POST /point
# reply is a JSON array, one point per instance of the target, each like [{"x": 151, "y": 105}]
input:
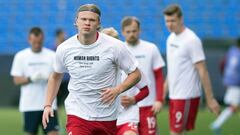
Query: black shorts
[{"x": 33, "y": 119}]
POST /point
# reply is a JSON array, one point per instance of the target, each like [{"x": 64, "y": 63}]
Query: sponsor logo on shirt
[
  {"x": 173, "y": 45},
  {"x": 36, "y": 63},
  {"x": 139, "y": 56}
]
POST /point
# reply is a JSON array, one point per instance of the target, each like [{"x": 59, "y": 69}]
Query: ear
[
  {"x": 99, "y": 25},
  {"x": 75, "y": 22}
]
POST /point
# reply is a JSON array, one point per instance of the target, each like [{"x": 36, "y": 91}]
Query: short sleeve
[
  {"x": 195, "y": 50},
  {"x": 58, "y": 63},
  {"x": 17, "y": 66},
  {"x": 124, "y": 59},
  {"x": 157, "y": 60}
]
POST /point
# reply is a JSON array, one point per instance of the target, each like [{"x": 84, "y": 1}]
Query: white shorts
[{"x": 232, "y": 96}]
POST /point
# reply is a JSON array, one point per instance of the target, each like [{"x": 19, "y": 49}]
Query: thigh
[
  {"x": 122, "y": 129},
  {"x": 104, "y": 127},
  {"x": 77, "y": 126},
  {"x": 232, "y": 96},
  {"x": 192, "y": 115},
  {"x": 148, "y": 122},
  {"x": 182, "y": 114},
  {"x": 176, "y": 115},
  {"x": 32, "y": 120}
]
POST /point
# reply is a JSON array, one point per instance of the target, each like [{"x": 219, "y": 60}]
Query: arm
[
  {"x": 127, "y": 101},
  {"x": 165, "y": 88},
  {"x": 19, "y": 80},
  {"x": 205, "y": 80},
  {"x": 158, "y": 104},
  {"x": 109, "y": 94},
  {"x": 158, "y": 74},
  {"x": 52, "y": 90}
]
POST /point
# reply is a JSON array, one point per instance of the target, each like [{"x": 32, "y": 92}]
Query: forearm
[
  {"x": 21, "y": 80},
  {"x": 165, "y": 88},
  {"x": 206, "y": 83},
  {"x": 159, "y": 84},
  {"x": 131, "y": 80},
  {"x": 142, "y": 94},
  {"x": 54, "y": 82},
  {"x": 205, "y": 80}
]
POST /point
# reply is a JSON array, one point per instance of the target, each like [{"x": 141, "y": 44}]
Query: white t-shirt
[
  {"x": 91, "y": 69},
  {"x": 131, "y": 114},
  {"x": 183, "y": 51},
  {"x": 149, "y": 59},
  {"x": 26, "y": 63}
]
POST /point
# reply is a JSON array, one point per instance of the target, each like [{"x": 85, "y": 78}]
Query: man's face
[
  {"x": 61, "y": 36},
  {"x": 131, "y": 33},
  {"x": 173, "y": 22},
  {"x": 36, "y": 42},
  {"x": 87, "y": 22}
]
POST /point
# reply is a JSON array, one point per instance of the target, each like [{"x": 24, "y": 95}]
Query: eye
[
  {"x": 92, "y": 20},
  {"x": 83, "y": 19}
]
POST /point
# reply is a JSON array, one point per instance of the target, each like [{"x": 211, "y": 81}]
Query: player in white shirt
[
  {"x": 151, "y": 64},
  {"x": 92, "y": 60},
  {"x": 30, "y": 69},
  {"x": 128, "y": 118},
  {"x": 185, "y": 72}
]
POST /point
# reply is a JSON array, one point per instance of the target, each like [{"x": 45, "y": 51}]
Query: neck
[
  {"x": 181, "y": 29},
  {"x": 59, "y": 41},
  {"x": 87, "y": 39},
  {"x": 133, "y": 43},
  {"x": 36, "y": 50}
]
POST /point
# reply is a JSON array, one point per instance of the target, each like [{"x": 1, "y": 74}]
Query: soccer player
[
  {"x": 92, "y": 59},
  {"x": 231, "y": 79},
  {"x": 185, "y": 72},
  {"x": 30, "y": 69},
  {"x": 128, "y": 119},
  {"x": 151, "y": 64}
]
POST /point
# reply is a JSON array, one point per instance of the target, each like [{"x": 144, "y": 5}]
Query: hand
[
  {"x": 157, "y": 107},
  {"x": 213, "y": 105},
  {"x": 127, "y": 101},
  {"x": 38, "y": 76},
  {"x": 48, "y": 111},
  {"x": 109, "y": 95}
]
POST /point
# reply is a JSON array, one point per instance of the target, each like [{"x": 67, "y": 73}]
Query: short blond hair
[{"x": 111, "y": 32}]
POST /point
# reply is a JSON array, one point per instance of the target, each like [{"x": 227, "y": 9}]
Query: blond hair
[{"x": 111, "y": 32}]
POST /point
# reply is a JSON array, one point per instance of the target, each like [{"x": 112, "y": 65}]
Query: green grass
[{"x": 11, "y": 123}]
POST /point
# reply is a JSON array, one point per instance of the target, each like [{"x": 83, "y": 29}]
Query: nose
[{"x": 87, "y": 22}]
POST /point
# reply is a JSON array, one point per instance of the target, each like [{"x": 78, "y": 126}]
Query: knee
[
  {"x": 177, "y": 133},
  {"x": 129, "y": 133}
]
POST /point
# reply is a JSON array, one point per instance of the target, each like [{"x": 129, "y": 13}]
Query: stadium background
[{"x": 217, "y": 22}]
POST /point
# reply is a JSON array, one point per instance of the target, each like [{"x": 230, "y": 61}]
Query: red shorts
[
  {"x": 79, "y": 126},
  {"x": 121, "y": 129},
  {"x": 148, "y": 122},
  {"x": 183, "y": 114}
]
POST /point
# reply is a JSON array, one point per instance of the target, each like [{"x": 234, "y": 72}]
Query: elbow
[{"x": 15, "y": 81}]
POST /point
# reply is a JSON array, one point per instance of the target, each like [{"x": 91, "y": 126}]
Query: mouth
[{"x": 86, "y": 29}]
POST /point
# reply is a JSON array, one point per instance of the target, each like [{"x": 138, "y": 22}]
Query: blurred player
[
  {"x": 151, "y": 64},
  {"x": 63, "y": 92},
  {"x": 31, "y": 69},
  {"x": 128, "y": 119},
  {"x": 92, "y": 59},
  {"x": 60, "y": 36},
  {"x": 231, "y": 79},
  {"x": 186, "y": 71}
]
